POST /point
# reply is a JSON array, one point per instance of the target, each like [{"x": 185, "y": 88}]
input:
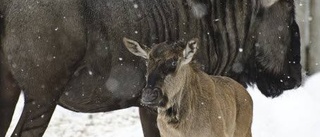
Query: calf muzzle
[{"x": 151, "y": 97}]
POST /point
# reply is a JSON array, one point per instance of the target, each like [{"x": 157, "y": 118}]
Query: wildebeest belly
[{"x": 109, "y": 77}]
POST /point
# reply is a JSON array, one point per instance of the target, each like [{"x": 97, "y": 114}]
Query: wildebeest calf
[{"x": 191, "y": 103}]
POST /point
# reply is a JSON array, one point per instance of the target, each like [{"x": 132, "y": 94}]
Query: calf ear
[
  {"x": 189, "y": 51},
  {"x": 135, "y": 48}
]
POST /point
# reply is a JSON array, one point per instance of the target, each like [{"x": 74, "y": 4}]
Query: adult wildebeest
[
  {"x": 191, "y": 103},
  {"x": 70, "y": 52}
]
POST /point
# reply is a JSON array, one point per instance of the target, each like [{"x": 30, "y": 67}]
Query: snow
[
  {"x": 135, "y": 6},
  {"x": 296, "y": 113},
  {"x": 199, "y": 10}
]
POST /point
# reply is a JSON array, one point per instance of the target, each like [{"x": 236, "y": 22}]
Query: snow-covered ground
[{"x": 294, "y": 114}]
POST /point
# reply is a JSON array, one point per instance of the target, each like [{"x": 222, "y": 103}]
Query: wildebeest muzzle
[{"x": 152, "y": 97}]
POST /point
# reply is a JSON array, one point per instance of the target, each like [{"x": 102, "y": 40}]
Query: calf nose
[
  {"x": 148, "y": 95},
  {"x": 151, "y": 96},
  {"x": 157, "y": 90}
]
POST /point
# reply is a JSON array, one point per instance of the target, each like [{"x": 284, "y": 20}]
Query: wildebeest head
[{"x": 163, "y": 60}]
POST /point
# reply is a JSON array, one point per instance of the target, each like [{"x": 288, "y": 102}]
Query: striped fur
[{"x": 50, "y": 46}]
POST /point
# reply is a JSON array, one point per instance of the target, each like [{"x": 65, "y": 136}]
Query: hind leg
[
  {"x": 34, "y": 119},
  {"x": 43, "y": 49},
  {"x": 9, "y": 95}
]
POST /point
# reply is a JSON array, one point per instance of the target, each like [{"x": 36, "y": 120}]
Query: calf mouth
[{"x": 152, "y": 97}]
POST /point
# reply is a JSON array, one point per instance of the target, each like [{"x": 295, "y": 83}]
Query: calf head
[{"x": 163, "y": 60}]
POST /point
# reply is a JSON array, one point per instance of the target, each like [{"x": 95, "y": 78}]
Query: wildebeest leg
[
  {"x": 149, "y": 122},
  {"x": 9, "y": 95},
  {"x": 43, "y": 45},
  {"x": 34, "y": 119}
]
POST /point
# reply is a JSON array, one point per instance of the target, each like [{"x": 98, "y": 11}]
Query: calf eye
[{"x": 170, "y": 66}]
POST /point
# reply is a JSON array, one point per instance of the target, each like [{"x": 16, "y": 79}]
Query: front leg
[{"x": 149, "y": 122}]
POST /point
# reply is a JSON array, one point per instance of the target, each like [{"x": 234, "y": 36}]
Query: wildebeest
[
  {"x": 70, "y": 52},
  {"x": 189, "y": 102}
]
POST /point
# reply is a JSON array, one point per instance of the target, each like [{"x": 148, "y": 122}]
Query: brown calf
[{"x": 191, "y": 103}]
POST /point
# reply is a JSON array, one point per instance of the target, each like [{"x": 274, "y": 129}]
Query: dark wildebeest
[
  {"x": 70, "y": 52},
  {"x": 191, "y": 103}
]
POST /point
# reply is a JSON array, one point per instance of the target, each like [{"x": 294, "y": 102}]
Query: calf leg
[
  {"x": 149, "y": 123},
  {"x": 244, "y": 113}
]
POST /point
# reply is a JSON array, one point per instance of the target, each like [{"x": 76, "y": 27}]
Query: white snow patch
[{"x": 295, "y": 113}]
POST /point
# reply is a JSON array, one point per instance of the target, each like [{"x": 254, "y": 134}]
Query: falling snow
[
  {"x": 112, "y": 84},
  {"x": 295, "y": 113},
  {"x": 237, "y": 67},
  {"x": 135, "y": 6},
  {"x": 199, "y": 10},
  {"x": 90, "y": 72},
  {"x": 280, "y": 28}
]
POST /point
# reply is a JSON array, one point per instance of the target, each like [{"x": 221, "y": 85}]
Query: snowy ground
[{"x": 294, "y": 114}]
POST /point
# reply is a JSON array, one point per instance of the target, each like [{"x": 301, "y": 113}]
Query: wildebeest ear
[
  {"x": 189, "y": 51},
  {"x": 135, "y": 48}
]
